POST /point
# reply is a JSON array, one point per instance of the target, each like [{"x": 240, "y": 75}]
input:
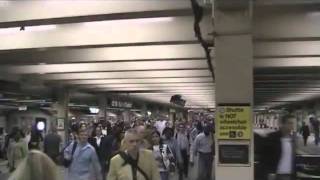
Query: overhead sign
[
  {"x": 121, "y": 104},
  {"x": 233, "y": 122},
  {"x": 22, "y": 108}
]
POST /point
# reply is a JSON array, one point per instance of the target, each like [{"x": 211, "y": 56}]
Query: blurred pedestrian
[
  {"x": 305, "y": 131},
  {"x": 17, "y": 150},
  {"x": 279, "y": 151},
  {"x": 133, "y": 163},
  {"x": 96, "y": 140},
  {"x": 173, "y": 145},
  {"x": 35, "y": 138},
  {"x": 37, "y": 166},
  {"x": 163, "y": 155},
  {"x": 182, "y": 138},
  {"x": 204, "y": 147},
  {"x": 51, "y": 145},
  {"x": 84, "y": 160},
  {"x": 316, "y": 129}
]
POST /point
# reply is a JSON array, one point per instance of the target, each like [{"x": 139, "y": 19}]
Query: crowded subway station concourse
[{"x": 159, "y": 90}]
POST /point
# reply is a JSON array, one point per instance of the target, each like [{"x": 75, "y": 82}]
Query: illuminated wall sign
[
  {"x": 23, "y": 108},
  {"x": 121, "y": 104},
  {"x": 234, "y": 122}
]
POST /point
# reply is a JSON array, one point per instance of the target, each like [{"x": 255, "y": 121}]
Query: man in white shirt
[
  {"x": 279, "y": 156},
  {"x": 204, "y": 147},
  {"x": 183, "y": 145}
]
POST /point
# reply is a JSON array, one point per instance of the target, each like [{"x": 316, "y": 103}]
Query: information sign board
[{"x": 233, "y": 123}]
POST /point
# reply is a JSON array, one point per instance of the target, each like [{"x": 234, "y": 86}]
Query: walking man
[
  {"x": 279, "y": 154},
  {"x": 204, "y": 146},
  {"x": 134, "y": 163},
  {"x": 51, "y": 144}
]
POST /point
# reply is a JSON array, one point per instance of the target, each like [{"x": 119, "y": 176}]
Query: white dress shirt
[{"x": 285, "y": 163}]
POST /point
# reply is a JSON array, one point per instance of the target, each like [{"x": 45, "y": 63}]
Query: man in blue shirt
[{"x": 85, "y": 163}]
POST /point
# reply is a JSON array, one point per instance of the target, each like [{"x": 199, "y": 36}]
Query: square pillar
[
  {"x": 234, "y": 88},
  {"x": 62, "y": 109},
  {"x": 102, "y": 101}
]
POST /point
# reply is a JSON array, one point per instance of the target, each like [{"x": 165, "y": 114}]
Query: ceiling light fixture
[{"x": 129, "y": 21}]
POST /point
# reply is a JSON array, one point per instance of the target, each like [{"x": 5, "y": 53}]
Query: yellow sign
[{"x": 233, "y": 122}]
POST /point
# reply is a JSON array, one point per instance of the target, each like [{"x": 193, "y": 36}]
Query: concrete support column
[
  {"x": 126, "y": 115},
  {"x": 144, "y": 110},
  {"x": 62, "y": 109},
  {"x": 172, "y": 116},
  {"x": 102, "y": 115},
  {"x": 234, "y": 74},
  {"x": 190, "y": 116}
]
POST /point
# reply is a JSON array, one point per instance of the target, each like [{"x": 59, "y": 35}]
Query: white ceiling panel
[
  {"x": 287, "y": 62},
  {"x": 291, "y": 48},
  {"x": 149, "y": 85},
  {"x": 170, "y": 94},
  {"x": 110, "y": 66},
  {"x": 151, "y": 88},
  {"x": 124, "y": 75},
  {"x": 287, "y": 23}
]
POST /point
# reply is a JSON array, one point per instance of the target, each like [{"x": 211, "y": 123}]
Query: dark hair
[
  {"x": 168, "y": 130},
  {"x": 15, "y": 131},
  {"x": 284, "y": 119},
  {"x": 199, "y": 127},
  {"x": 156, "y": 132},
  {"x": 75, "y": 127}
]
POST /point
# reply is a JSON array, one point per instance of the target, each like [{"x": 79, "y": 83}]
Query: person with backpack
[
  {"x": 133, "y": 162},
  {"x": 81, "y": 159}
]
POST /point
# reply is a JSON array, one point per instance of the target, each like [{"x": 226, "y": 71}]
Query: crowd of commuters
[{"x": 144, "y": 151}]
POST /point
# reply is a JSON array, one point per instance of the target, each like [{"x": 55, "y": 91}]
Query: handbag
[{"x": 171, "y": 164}]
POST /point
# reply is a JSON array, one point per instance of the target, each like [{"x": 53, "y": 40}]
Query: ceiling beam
[
  {"x": 106, "y": 54},
  {"x": 104, "y": 67},
  {"x": 15, "y": 13}
]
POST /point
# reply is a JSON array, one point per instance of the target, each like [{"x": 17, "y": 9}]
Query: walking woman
[
  {"x": 305, "y": 131},
  {"x": 163, "y": 156}
]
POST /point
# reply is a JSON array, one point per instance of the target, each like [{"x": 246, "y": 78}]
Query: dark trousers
[
  {"x": 103, "y": 170},
  {"x": 205, "y": 164},
  {"x": 316, "y": 137},
  {"x": 305, "y": 140},
  {"x": 284, "y": 177},
  {"x": 184, "y": 170}
]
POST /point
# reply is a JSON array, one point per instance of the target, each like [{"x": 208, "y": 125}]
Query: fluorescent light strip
[
  {"x": 128, "y": 21},
  {"x": 40, "y": 28}
]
